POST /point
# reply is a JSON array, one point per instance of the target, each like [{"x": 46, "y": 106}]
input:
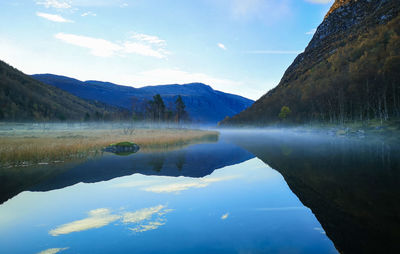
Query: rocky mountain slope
[
  {"x": 23, "y": 98},
  {"x": 203, "y": 103},
  {"x": 348, "y": 72}
]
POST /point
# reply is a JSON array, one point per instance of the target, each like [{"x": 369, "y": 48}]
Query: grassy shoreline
[{"x": 23, "y": 147}]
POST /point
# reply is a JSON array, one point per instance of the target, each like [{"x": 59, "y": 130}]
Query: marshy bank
[{"x": 27, "y": 144}]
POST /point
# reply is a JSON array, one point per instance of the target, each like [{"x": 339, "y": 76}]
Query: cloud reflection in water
[
  {"x": 145, "y": 219},
  {"x": 185, "y": 184},
  {"x": 52, "y": 251},
  {"x": 141, "y": 217},
  {"x": 97, "y": 218}
]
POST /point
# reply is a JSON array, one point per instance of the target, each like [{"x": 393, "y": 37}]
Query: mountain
[
  {"x": 350, "y": 70},
  {"x": 23, "y": 98},
  {"x": 202, "y": 102}
]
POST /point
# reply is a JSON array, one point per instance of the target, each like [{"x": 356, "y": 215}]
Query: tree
[
  {"x": 160, "y": 107},
  {"x": 285, "y": 112},
  {"x": 87, "y": 117},
  {"x": 391, "y": 70},
  {"x": 134, "y": 107},
  {"x": 180, "y": 109},
  {"x": 156, "y": 108}
]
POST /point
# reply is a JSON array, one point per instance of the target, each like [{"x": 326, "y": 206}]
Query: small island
[{"x": 122, "y": 148}]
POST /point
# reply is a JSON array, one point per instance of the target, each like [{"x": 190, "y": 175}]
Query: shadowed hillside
[{"x": 23, "y": 98}]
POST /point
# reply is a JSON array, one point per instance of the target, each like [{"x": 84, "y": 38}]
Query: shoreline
[
  {"x": 386, "y": 130},
  {"x": 27, "y": 147}
]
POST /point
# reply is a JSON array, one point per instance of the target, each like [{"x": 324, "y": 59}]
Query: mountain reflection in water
[
  {"x": 205, "y": 198},
  {"x": 352, "y": 186},
  {"x": 213, "y": 198},
  {"x": 193, "y": 161}
]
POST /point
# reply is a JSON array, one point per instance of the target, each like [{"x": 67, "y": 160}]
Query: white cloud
[
  {"x": 53, "y": 17},
  {"x": 149, "y": 39},
  {"x": 319, "y": 1},
  {"x": 67, "y": 4},
  {"x": 97, "y": 218},
  {"x": 311, "y": 32},
  {"x": 143, "y": 49},
  {"x": 225, "y": 216},
  {"x": 89, "y": 13},
  {"x": 98, "y": 47},
  {"x": 103, "y": 48},
  {"x": 222, "y": 46},
  {"x": 52, "y": 251},
  {"x": 274, "y": 52},
  {"x": 57, "y": 4}
]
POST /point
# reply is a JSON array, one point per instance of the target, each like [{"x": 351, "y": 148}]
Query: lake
[{"x": 249, "y": 192}]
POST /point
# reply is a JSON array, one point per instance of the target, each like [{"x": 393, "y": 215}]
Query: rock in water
[{"x": 122, "y": 148}]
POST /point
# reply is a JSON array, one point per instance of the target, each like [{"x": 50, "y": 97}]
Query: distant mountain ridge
[
  {"x": 203, "y": 103},
  {"x": 23, "y": 98}
]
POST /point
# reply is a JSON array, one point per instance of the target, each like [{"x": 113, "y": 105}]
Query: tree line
[
  {"x": 360, "y": 82},
  {"x": 156, "y": 110}
]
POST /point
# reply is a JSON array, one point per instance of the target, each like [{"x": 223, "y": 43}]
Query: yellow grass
[{"x": 34, "y": 146}]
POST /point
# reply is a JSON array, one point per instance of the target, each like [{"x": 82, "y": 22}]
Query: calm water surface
[{"x": 220, "y": 197}]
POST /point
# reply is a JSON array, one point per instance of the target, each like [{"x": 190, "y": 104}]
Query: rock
[{"x": 122, "y": 148}]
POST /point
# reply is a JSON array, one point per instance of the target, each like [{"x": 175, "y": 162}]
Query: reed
[{"x": 29, "y": 147}]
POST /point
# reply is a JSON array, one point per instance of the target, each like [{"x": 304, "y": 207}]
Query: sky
[{"x": 236, "y": 46}]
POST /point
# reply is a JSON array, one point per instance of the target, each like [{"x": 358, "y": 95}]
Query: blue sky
[{"x": 236, "y": 46}]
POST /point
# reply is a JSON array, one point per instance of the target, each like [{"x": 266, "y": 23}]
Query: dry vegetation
[{"x": 37, "y": 146}]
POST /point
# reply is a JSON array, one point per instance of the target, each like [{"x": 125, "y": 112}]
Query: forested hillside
[
  {"x": 23, "y": 98},
  {"x": 350, "y": 71}
]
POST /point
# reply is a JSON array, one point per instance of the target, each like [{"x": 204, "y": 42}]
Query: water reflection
[
  {"x": 52, "y": 250},
  {"x": 193, "y": 161},
  {"x": 352, "y": 186},
  {"x": 217, "y": 198},
  {"x": 246, "y": 208},
  {"x": 96, "y": 219},
  {"x": 143, "y": 219},
  {"x": 147, "y": 218},
  {"x": 182, "y": 184}
]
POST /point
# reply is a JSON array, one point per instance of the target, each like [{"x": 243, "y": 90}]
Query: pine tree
[{"x": 180, "y": 109}]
